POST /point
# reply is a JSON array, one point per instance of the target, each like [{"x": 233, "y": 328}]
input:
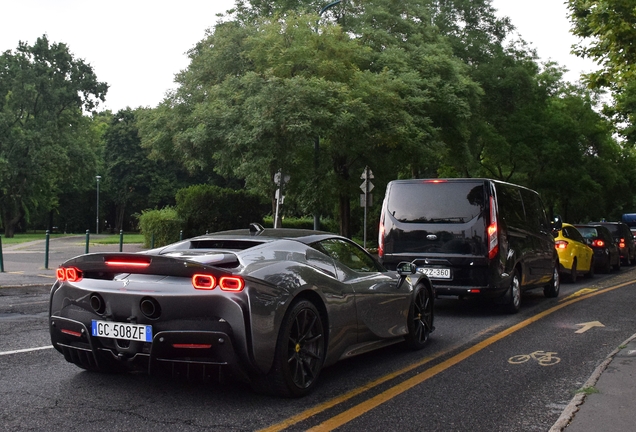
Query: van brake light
[{"x": 492, "y": 231}]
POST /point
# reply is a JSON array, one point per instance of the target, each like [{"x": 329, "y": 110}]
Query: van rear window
[{"x": 445, "y": 202}]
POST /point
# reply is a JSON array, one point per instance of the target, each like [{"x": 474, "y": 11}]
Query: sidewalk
[
  {"x": 609, "y": 406},
  {"x": 24, "y": 263},
  {"x": 611, "y": 403}
]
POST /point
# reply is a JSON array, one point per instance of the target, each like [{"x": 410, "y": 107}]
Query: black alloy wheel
[
  {"x": 420, "y": 320},
  {"x": 300, "y": 353}
]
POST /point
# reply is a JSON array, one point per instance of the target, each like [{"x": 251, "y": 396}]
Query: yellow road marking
[{"x": 389, "y": 394}]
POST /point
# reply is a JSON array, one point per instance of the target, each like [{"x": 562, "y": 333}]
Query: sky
[{"x": 137, "y": 46}]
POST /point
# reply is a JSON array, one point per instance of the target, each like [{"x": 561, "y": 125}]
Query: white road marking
[{"x": 25, "y": 350}]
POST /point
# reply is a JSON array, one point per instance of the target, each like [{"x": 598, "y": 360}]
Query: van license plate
[{"x": 435, "y": 272}]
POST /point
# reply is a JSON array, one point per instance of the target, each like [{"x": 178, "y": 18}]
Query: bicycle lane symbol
[{"x": 544, "y": 358}]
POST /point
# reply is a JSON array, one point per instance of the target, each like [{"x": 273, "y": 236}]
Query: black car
[
  {"x": 624, "y": 239},
  {"x": 606, "y": 252},
  {"x": 268, "y": 306},
  {"x": 472, "y": 237}
]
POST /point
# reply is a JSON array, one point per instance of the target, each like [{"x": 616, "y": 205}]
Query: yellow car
[{"x": 575, "y": 257}]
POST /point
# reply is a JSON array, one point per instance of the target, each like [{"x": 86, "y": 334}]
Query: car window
[
  {"x": 348, "y": 254},
  {"x": 510, "y": 205},
  {"x": 535, "y": 213},
  {"x": 574, "y": 234},
  {"x": 432, "y": 202},
  {"x": 588, "y": 232}
]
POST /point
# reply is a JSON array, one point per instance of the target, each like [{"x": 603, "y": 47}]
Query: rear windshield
[
  {"x": 588, "y": 232},
  {"x": 444, "y": 202},
  {"x": 614, "y": 229}
]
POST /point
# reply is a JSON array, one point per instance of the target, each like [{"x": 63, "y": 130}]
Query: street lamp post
[
  {"x": 317, "y": 140},
  {"x": 97, "y": 225}
]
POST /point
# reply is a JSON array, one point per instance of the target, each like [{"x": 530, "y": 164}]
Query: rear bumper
[{"x": 192, "y": 354}]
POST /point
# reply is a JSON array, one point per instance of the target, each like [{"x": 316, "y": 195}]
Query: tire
[
  {"x": 420, "y": 319},
  {"x": 617, "y": 267},
  {"x": 552, "y": 289},
  {"x": 512, "y": 298},
  {"x": 608, "y": 265},
  {"x": 590, "y": 274},
  {"x": 573, "y": 273},
  {"x": 300, "y": 353}
]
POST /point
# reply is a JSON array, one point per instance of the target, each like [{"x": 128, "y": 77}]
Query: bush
[
  {"x": 207, "y": 208},
  {"x": 164, "y": 224},
  {"x": 306, "y": 222}
]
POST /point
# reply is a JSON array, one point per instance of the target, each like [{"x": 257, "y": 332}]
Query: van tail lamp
[
  {"x": 231, "y": 283},
  {"x": 598, "y": 243},
  {"x": 561, "y": 244},
  {"x": 381, "y": 238},
  {"x": 492, "y": 231},
  {"x": 621, "y": 243},
  {"x": 68, "y": 274},
  {"x": 435, "y": 181},
  {"x": 204, "y": 281}
]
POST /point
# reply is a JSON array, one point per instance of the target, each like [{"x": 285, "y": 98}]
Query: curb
[{"x": 568, "y": 414}]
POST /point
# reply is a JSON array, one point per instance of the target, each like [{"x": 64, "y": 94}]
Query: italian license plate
[
  {"x": 115, "y": 330},
  {"x": 435, "y": 272}
]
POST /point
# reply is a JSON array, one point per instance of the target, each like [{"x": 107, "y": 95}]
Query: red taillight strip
[
  {"x": 231, "y": 283},
  {"x": 192, "y": 346},
  {"x": 71, "y": 332},
  {"x": 141, "y": 264},
  {"x": 561, "y": 244}
]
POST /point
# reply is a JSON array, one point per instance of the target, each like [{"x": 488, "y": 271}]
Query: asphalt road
[{"x": 478, "y": 374}]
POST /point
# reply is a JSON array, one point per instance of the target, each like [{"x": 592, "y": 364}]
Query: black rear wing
[{"x": 106, "y": 265}]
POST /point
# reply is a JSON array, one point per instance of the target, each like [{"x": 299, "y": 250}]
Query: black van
[{"x": 472, "y": 237}]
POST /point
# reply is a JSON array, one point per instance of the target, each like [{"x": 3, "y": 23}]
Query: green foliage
[
  {"x": 608, "y": 30},
  {"x": 306, "y": 222},
  {"x": 47, "y": 143},
  {"x": 164, "y": 225},
  {"x": 208, "y": 208}
]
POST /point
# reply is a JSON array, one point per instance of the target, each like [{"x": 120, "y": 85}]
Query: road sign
[
  {"x": 278, "y": 176},
  {"x": 366, "y": 176},
  {"x": 364, "y": 186},
  {"x": 369, "y": 200}
]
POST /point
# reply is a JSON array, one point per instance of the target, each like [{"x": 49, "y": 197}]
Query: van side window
[
  {"x": 510, "y": 206},
  {"x": 535, "y": 214}
]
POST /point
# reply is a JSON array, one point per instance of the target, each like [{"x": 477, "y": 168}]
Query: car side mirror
[
  {"x": 406, "y": 268},
  {"x": 556, "y": 223}
]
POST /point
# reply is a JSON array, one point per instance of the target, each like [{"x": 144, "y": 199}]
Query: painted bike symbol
[{"x": 542, "y": 357}]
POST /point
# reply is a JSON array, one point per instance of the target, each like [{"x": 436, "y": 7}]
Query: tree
[
  {"x": 260, "y": 89},
  {"x": 608, "y": 30},
  {"x": 43, "y": 90}
]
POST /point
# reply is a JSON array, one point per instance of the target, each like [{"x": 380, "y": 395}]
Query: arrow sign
[
  {"x": 364, "y": 174},
  {"x": 588, "y": 325}
]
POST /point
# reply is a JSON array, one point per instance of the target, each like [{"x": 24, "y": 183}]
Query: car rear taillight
[
  {"x": 561, "y": 244},
  {"x": 598, "y": 243},
  {"x": 381, "y": 238},
  {"x": 226, "y": 283},
  {"x": 231, "y": 283},
  {"x": 493, "y": 235},
  {"x": 70, "y": 274},
  {"x": 435, "y": 181},
  {"x": 204, "y": 281},
  {"x": 621, "y": 243}
]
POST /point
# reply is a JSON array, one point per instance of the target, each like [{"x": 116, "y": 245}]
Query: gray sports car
[{"x": 268, "y": 306}]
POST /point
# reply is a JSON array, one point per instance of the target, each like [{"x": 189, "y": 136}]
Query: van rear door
[{"x": 439, "y": 222}]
